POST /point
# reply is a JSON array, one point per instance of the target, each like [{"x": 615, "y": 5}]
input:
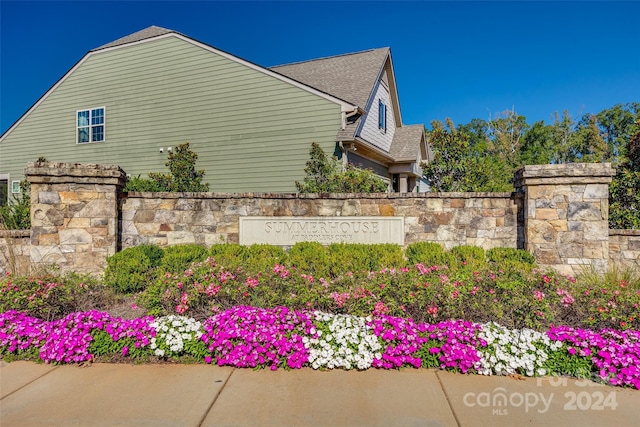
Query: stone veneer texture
[
  {"x": 80, "y": 217},
  {"x": 481, "y": 219}
]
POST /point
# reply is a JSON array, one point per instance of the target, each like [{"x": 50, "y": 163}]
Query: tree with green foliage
[
  {"x": 616, "y": 125},
  {"x": 624, "y": 191},
  {"x": 326, "y": 175},
  {"x": 459, "y": 165},
  {"x": 633, "y": 150},
  {"x": 589, "y": 145},
  {"x": 319, "y": 171},
  {"x": 506, "y": 132},
  {"x": 537, "y": 145},
  {"x": 182, "y": 176}
]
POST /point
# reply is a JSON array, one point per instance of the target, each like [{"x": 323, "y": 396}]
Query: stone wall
[
  {"x": 566, "y": 212},
  {"x": 559, "y": 213},
  {"x": 624, "y": 248},
  {"x": 15, "y": 251},
  {"x": 487, "y": 220},
  {"x": 74, "y": 214}
]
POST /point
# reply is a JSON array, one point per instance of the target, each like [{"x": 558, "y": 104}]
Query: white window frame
[
  {"x": 91, "y": 126},
  {"x": 15, "y": 187}
]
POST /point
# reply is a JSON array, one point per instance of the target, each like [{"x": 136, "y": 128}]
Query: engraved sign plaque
[{"x": 289, "y": 230}]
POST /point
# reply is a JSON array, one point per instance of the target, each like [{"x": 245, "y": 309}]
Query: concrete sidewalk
[{"x": 204, "y": 395}]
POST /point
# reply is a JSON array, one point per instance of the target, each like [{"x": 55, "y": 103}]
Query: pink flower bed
[{"x": 250, "y": 337}]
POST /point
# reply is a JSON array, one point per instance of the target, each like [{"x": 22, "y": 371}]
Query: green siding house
[{"x": 130, "y": 101}]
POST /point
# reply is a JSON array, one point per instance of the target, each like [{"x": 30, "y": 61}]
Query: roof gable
[
  {"x": 154, "y": 33},
  {"x": 408, "y": 141}
]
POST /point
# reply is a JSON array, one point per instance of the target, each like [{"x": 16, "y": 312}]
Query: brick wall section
[
  {"x": 624, "y": 248},
  {"x": 566, "y": 210},
  {"x": 481, "y": 219},
  {"x": 74, "y": 214}
]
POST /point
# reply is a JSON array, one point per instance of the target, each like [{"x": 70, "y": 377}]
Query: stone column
[
  {"x": 566, "y": 212},
  {"x": 74, "y": 214}
]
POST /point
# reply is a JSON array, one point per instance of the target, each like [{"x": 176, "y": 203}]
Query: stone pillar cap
[
  {"x": 71, "y": 172},
  {"x": 566, "y": 170},
  {"x": 565, "y": 173}
]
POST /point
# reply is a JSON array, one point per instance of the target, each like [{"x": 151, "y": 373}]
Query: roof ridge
[
  {"x": 329, "y": 57},
  {"x": 145, "y": 33}
]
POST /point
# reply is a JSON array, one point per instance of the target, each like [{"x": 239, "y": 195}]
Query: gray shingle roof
[
  {"x": 349, "y": 132},
  {"x": 147, "y": 33},
  {"x": 351, "y": 77},
  {"x": 406, "y": 143}
]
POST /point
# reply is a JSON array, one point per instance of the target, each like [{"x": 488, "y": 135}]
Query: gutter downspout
[
  {"x": 347, "y": 114},
  {"x": 345, "y": 160}
]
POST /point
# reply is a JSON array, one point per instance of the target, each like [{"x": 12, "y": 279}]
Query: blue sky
[{"x": 452, "y": 59}]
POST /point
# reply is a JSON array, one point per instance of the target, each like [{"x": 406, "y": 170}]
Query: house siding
[
  {"x": 252, "y": 132},
  {"x": 364, "y": 163},
  {"x": 370, "y": 131}
]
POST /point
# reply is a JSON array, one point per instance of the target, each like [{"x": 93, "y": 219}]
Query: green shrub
[
  {"x": 231, "y": 255},
  {"x": 348, "y": 257},
  {"x": 326, "y": 175},
  {"x": 51, "y": 295},
  {"x": 132, "y": 269},
  {"x": 177, "y": 258},
  {"x": 426, "y": 253},
  {"x": 136, "y": 183},
  {"x": 17, "y": 214},
  {"x": 310, "y": 258},
  {"x": 182, "y": 175},
  {"x": 264, "y": 257},
  {"x": 499, "y": 255},
  {"x": 508, "y": 292},
  {"x": 469, "y": 255},
  {"x": 253, "y": 259},
  {"x": 385, "y": 255}
]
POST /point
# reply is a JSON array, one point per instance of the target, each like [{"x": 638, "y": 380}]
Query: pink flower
[
  {"x": 380, "y": 308},
  {"x": 281, "y": 270},
  {"x": 339, "y": 299},
  {"x": 251, "y": 282}
]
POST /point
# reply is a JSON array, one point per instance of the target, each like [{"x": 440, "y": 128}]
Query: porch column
[{"x": 404, "y": 183}]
